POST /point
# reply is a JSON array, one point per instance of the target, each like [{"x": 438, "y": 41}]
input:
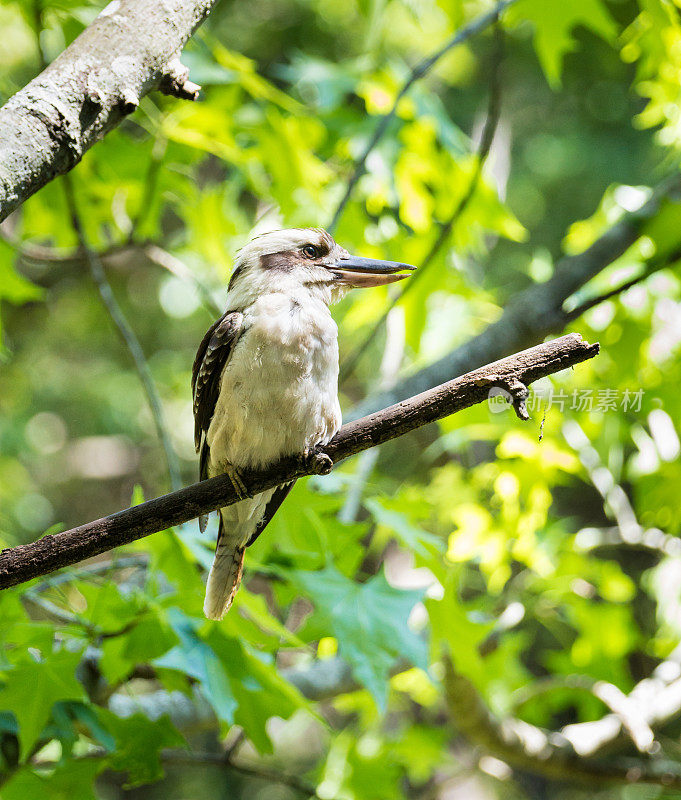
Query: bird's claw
[
  {"x": 237, "y": 482},
  {"x": 317, "y": 462}
]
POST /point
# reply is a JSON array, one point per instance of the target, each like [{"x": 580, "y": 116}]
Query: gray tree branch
[
  {"x": 533, "y": 313},
  {"x": 130, "y": 49},
  {"x": 578, "y": 752},
  {"x": 472, "y": 29},
  {"x": 128, "y": 336},
  {"x": 513, "y": 374}
]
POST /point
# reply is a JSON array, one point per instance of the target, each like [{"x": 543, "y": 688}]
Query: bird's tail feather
[{"x": 225, "y": 575}]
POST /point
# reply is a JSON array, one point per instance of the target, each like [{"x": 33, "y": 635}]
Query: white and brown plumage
[{"x": 265, "y": 377}]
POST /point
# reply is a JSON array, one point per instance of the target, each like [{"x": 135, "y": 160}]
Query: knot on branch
[
  {"x": 175, "y": 81},
  {"x": 519, "y": 393},
  {"x": 512, "y": 390},
  {"x": 129, "y": 101}
]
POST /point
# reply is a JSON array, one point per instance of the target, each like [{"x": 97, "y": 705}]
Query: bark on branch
[
  {"x": 512, "y": 374},
  {"x": 131, "y": 48}
]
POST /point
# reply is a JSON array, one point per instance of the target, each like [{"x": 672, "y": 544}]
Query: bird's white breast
[{"x": 279, "y": 389}]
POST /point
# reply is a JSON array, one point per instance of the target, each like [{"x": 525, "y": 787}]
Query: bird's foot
[
  {"x": 237, "y": 481},
  {"x": 316, "y": 462}
]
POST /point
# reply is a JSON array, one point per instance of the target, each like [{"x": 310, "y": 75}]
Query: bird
[{"x": 265, "y": 378}]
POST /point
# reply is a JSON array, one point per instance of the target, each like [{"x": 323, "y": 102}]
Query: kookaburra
[{"x": 265, "y": 377}]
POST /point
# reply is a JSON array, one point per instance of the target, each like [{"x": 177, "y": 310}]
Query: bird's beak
[{"x": 364, "y": 272}]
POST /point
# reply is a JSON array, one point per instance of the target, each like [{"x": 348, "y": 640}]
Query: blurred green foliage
[{"x": 481, "y": 538}]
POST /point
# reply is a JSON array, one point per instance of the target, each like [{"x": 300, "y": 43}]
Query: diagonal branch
[
  {"x": 130, "y": 49},
  {"x": 535, "y": 312},
  {"x": 127, "y": 334},
  {"x": 467, "y": 32},
  {"x": 482, "y": 152},
  {"x": 512, "y": 374},
  {"x": 576, "y": 752}
]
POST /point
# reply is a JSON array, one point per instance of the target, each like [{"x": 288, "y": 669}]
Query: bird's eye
[{"x": 310, "y": 251}]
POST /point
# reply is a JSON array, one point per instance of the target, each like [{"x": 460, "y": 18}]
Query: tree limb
[
  {"x": 576, "y": 752},
  {"x": 131, "y": 48},
  {"x": 513, "y": 375},
  {"x": 127, "y": 334},
  {"x": 533, "y": 313}
]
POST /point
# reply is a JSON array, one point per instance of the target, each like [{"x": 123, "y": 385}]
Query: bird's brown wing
[{"x": 213, "y": 354}]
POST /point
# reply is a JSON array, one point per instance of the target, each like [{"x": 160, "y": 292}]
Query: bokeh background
[{"x": 529, "y": 568}]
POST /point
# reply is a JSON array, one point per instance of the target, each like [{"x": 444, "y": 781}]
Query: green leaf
[
  {"x": 147, "y": 640},
  {"x": 554, "y": 24},
  {"x": 370, "y": 622},
  {"x": 243, "y": 687},
  {"x": 305, "y": 532},
  {"x": 409, "y": 535},
  {"x": 361, "y": 768},
  {"x": 31, "y": 689},
  {"x": 14, "y": 287},
  {"x": 138, "y": 742},
  {"x": 72, "y": 780},
  {"x": 109, "y": 608},
  {"x": 453, "y": 626},
  {"x": 68, "y": 720}
]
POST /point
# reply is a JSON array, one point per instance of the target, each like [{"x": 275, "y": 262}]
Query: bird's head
[{"x": 296, "y": 259}]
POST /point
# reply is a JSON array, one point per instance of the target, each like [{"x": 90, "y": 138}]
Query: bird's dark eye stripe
[{"x": 310, "y": 251}]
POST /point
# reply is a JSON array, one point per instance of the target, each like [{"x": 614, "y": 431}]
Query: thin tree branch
[
  {"x": 576, "y": 752},
  {"x": 616, "y": 504},
  {"x": 467, "y": 32},
  {"x": 73, "y": 258},
  {"x": 484, "y": 146},
  {"x": 513, "y": 374},
  {"x": 620, "y": 705},
  {"x": 130, "y": 49},
  {"x": 651, "y": 267},
  {"x": 127, "y": 334},
  {"x": 197, "y": 758},
  {"x": 535, "y": 312},
  {"x": 162, "y": 258},
  {"x": 253, "y": 770}
]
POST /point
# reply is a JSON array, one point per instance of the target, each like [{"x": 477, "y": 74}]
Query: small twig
[
  {"x": 127, "y": 334},
  {"x": 85, "y": 571},
  {"x": 20, "y": 564},
  {"x": 468, "y": 31},
  {"x": 482, "y": 152},
  {"x": 164, "y": 259},
  {"x": 41, "y": 254},
  {"x": 541, "y": 425},
  {"x": 616, "y": 701},
  {"x": 652, "y": 267},
  {"x": 231, "y": 750},
  {"x": 175, "y": 81},
  {"x": 648, "y": 539}
]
